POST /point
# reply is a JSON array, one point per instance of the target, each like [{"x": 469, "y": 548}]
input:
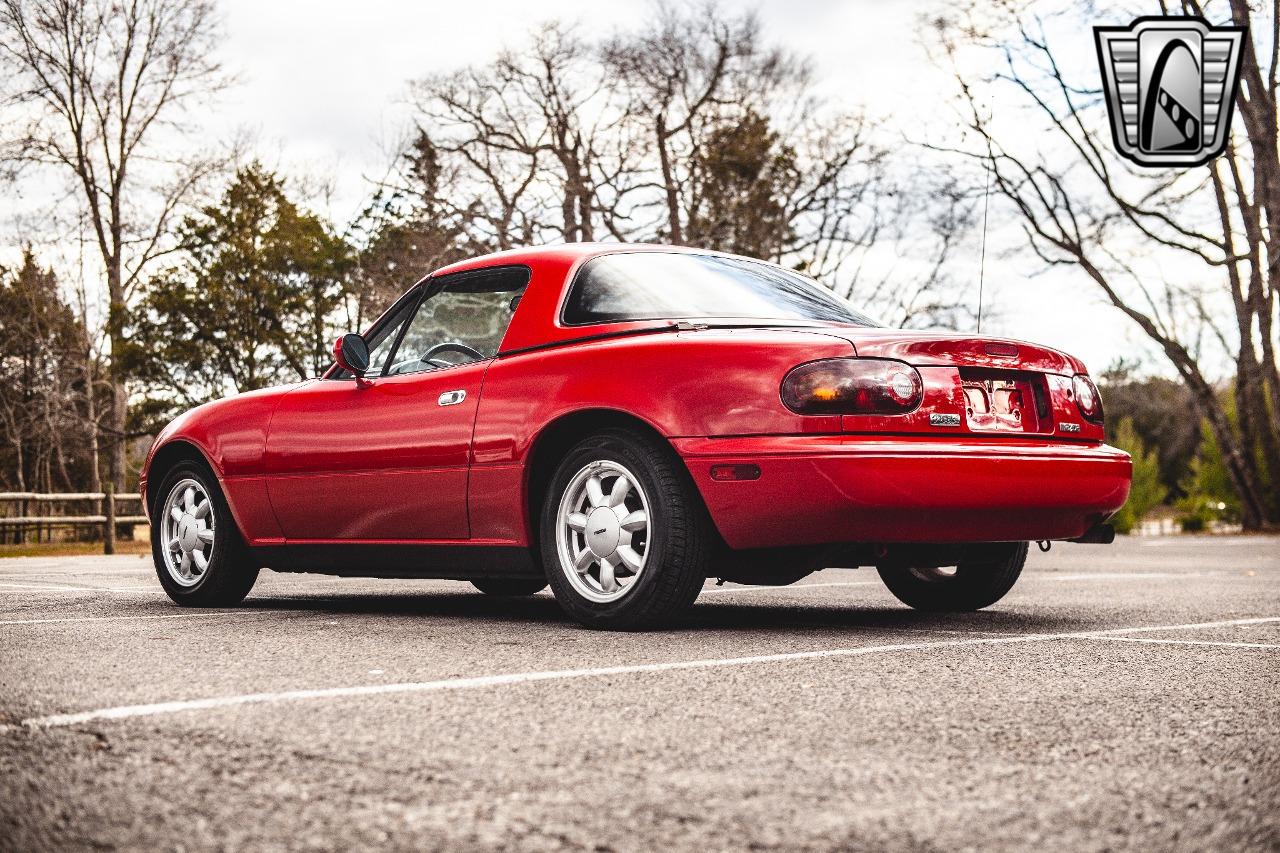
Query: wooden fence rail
[{"x": 25, "y": 513}]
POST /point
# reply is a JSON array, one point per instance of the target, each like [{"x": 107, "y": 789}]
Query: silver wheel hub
[
  {"x": 187, "y": 532},
  {"x": 602, "y": 531}
]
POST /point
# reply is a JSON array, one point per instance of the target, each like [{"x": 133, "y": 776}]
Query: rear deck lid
[
  {"x": 929, "y": 349},
  {"x": 977, "y": 385}
]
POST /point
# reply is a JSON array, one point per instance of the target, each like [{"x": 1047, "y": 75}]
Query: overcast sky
[
  {"x": 321, "y": 84},
  {"x": 322, "y": 80}
]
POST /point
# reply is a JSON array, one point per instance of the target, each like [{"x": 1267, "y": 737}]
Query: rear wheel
[
  {"x": 200, "y": 557},
  {"x": 509, "y": 586},
  {"x": 986, "y": 574},
  {"x": 624, "y": 537}
]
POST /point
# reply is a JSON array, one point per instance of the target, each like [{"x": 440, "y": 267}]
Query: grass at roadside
[{"x": 71, "y": 549}]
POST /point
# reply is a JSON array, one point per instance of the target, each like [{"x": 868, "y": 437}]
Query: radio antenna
[{"x": 982, "y": 262}]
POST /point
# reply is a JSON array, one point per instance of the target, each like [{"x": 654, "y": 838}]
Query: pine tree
[
  {"x": 253, "y": 302},
  {"x": 1147, "y": 490}
]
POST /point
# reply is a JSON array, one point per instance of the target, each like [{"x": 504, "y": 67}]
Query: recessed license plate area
[{"x": 1005, "y": 400}]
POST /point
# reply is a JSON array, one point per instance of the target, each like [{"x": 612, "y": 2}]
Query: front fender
[{"x": 231, "y": 435}]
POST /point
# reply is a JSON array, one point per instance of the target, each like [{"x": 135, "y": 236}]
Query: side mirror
[{"x": 352, "y": 354}]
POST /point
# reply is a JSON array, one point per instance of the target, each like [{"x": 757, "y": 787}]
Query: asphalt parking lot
[{"x": 1123, "y": 697}]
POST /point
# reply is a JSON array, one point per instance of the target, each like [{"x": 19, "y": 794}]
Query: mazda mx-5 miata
[{"x": 625, "y": 422}]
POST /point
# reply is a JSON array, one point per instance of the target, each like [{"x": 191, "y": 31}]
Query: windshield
[{"x": 671, "y": 286}]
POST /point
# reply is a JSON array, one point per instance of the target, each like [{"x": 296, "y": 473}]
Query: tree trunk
[
  {"x": 109, "y": 528},
  {"x": 675, "y": 233},
  {"x": 586, "y": 226},
  {"x": 1252, "y": 504},
  {"x": 1256, "y": 425},
  {"x": 119, "y": 391},
  {"x": 1235, "y": 453},
  {"x": 22, "y": 464},
  {"x": 318, "y": 348},
  {"x": 568, "y": 212},
  {"x": 91, "y": 419}
]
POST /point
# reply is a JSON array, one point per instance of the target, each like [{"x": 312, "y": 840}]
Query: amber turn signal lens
[{"x": 853, "y": 386}]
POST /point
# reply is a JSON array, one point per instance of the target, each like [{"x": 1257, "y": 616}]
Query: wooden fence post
[{"x": 109, "y": 537}]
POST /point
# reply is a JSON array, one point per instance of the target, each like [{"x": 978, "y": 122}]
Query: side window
[
  {"x": 383, "y": 340},
  {"x": 380, "y": 349},
  {"x": 462, "y": 319}
]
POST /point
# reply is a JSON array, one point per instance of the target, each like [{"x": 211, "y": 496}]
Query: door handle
[{"x": 452, "y": 398}]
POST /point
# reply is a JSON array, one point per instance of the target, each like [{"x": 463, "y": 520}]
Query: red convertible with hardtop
[{"x": 624, "y": 422}]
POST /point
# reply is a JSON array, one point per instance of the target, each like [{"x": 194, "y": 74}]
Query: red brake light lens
[
  {"x": 1088, "y": 400},
  {"x": 853, "y": 386}
]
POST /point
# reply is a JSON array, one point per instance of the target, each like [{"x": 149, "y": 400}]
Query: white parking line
[
  {"x": 1192, "y": 626},
  {"x": 52, "y": 619},
  {"x": 1222, "y": 643},
  {"x": 76, "y": 571},
  {"x": 1104, "y": 576},
  {"x": 243, "y": 611},
  {"x": 451, "y": 684},
  {"x": 62, "y": 587},
  {"x": 1179, "y": 541}
]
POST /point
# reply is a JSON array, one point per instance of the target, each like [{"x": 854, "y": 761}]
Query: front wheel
[
  {"x": 624, "y": 537},
  {"x": 982, "y": 578},
  {"x": 200, "y": 557}
]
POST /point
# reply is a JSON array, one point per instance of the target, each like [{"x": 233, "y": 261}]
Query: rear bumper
[{"x": 840, "y": 489}]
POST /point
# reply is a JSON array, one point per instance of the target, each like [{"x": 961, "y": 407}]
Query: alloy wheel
[
  {"x": 602, "y": 531},
  {"x": 187, "y": 532}
]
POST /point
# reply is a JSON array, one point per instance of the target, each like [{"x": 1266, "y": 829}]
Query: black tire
[
  {"x": 231, "y": 571},
  {"x": 679, "y": 537},
  {"x": 980, "y": 580},
  {"x": 509, "y": 587}
]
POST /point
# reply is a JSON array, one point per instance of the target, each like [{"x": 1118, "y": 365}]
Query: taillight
[
  {"x": 853, "y": 386},
  {"x": 1088, "y": 400}
]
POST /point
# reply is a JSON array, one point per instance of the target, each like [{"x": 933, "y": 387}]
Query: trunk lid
[
  {"x": 977, "y": 385},
  {"x": 929, "y": 349}
]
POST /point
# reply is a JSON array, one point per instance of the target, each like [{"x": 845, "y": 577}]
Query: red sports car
[{"x": 625, "y": 422}]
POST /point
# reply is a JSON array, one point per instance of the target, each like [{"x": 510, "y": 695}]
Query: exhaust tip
[{"x": 1099, "y": 534}]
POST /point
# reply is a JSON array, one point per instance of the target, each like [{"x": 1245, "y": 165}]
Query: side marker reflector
[{"x": 735, "y": 472}]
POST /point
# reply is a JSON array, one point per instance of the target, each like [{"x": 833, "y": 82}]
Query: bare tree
[
  {"x": 922, "y": 222},
  {"x": 573, "y": 115},
  {"x": 1191, "y": 257},
  {"x": 43, "y": 386},
  {"x": 95, "y": 89},
  {"x": 687, "y": 75},
  {"x": 410, "y": 226},
  {"x": 688, "y": 130},
  {"x": 490, "y": 146},
  {"x": 531, "y": 147}
]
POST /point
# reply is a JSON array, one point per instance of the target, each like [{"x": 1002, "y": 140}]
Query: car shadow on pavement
[
  {"x": 734, "y": 616},
  {"x": 428, "y": 603},
  {"x": 706, "y": 615}
]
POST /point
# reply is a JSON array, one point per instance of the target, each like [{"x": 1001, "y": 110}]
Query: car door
[{"x": 386, "y": 459}]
